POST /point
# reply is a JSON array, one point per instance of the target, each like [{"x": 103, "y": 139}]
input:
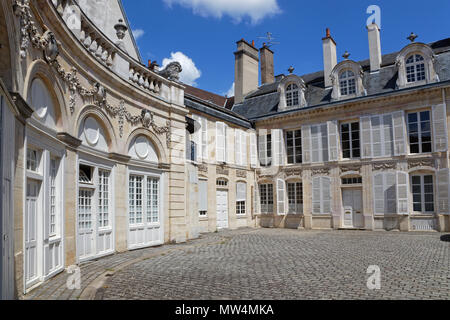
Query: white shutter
[
  {"x": 388, "y": 136},
  {"x": 229, "y": 141},
  {"x": 399, "y": 133},
  {"x": 197, "y": 138},
  {"x": 220, "y": 142},
  {"x": 316, "y": 195},
  {"x": 241, "y": 191},
  {"x": 262, "y": 142},
  {"x": 326, "y": 195},
  {"x": 253, "y": 150},
  {"x": 281, "y": 194},
  {"x": 402, "y": 193},
  {"x": 316, "y": 142},
  {"x": 379, "y": 193},
  {"x": 275, "y": 147},
  {"x": 281, "y": 148},
  {"x": 203, "y": 195},
  {"x": 366, "y": 137},
  {"x": 237, "y": 147},
  {"x": 391, "y": 192},
  {"x": 204, "y": 139},
  {"x": 440, "y": 128},
  {"x": 306, "y": 144},
  {"x": 377, "y": 138},
  {"x": 244, "y": 148},
  {"x": 333, "y": 140},
  {"x": 443, "y": 182}
]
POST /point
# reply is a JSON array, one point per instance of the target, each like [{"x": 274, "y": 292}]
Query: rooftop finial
[
  {"x": 412, "y": 37},
  {"x": 346, "y": 55},
  {"x": 291, "y": 69}
]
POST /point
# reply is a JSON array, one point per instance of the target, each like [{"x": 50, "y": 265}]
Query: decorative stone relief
[
  {"x": 321, "y": 171},
  {"x": 203, "y": 168},
  {"x": 293, "y": 172},
  {"x": 241, "y": 174},
  {"x": 350, "y": 169},
  {"x": 222, "y": 171},
  {"x": 49, "y": 44},
  {"x": 172, "y": 71},
  {"x": 385, "y": 166},
  {"x": 421, "y": 163}
]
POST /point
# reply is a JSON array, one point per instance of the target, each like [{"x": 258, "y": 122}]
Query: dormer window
[
  {"x": 415, "y": 68},
  {"x": 292, "y": 95},
  {"x": 347, "y": 83}
]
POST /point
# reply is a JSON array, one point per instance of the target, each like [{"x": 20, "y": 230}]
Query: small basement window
[{"x": 348, "y": 181}]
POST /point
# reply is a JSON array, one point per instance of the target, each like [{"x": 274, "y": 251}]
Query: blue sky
[{"x": 204, "y": 32}]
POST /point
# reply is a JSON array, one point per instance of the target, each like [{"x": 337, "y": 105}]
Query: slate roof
[{"x": 264, "y": 101}]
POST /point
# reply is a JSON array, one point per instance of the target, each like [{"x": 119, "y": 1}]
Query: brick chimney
[
  {"x": 267, "y": 69},
  {"x": 374, "y": 47},
  {"x": 246, "y": 69},
  {"x": 329, "y": 57}
]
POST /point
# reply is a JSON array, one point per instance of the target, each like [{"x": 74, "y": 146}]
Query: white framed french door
[
  {"x": 32, "y": 214},
  {"x": 145, "y": 213},
  {"x": 95, "y": 210},
  {"x": 222, "y": 209}
]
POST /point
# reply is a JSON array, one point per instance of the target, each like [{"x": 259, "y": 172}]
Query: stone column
[
  {"x": 368, "y": 204},
  {"x": 70, "y": 221},
  {"x": 121, "y": 208},
  {"x": 307, "y": 198}
]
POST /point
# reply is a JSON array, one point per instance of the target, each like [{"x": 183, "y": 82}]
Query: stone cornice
[
  {"x": 68, "y": 139},
  {"x": 25, "y": 111}
]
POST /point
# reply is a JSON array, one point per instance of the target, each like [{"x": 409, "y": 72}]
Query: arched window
[
  {"x": 347, "y": 82},
  {"x": 415, "y": 68},
  {"x": 292, "y": 95}
]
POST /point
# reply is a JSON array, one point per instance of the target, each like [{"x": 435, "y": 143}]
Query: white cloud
[
  {"x": 138, "y": 33},
  {"x": 256, "y": 10},
  {"x": 230, "y": 92},
  {"x": 190, "y": 72}
]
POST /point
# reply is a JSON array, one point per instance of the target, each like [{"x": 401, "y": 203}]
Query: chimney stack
[
  {"x": 374, "y": 47},
  {"x": 246, "y": 70},
  {"x": 267, "y": 69},
  {"x": 329, "y": 57}
]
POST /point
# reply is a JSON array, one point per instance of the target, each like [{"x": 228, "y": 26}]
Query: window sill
[
  {"x": 203, "y": 218},
  {"x": 241, "y": 216}
]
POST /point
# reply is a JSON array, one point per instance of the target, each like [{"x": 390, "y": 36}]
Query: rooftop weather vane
[{"x": 269, "y": 40}]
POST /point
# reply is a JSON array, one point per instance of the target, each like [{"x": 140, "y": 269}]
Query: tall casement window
[
  {"x": 103, "y": 198},
  {"x": 241, "y": 198},
  {"x": 143, "y": 199},
  {"x": 295, "y": 197},
  {"x": 415, "y": 68},
  {"x": 203, "y": 198},
  {"x": 347, "y": 83},
  {"x": 319, "y": 143},
  {"x": 419, "y": 127},
  {"x": 266, "y": 196},
  {"x": 54, "y": 197},
  {"x": 294, "y": 146},
  {"x": 321, "y": 197},
  {"x": 350, "y": 138},
  {"x": 292, "y": 95},
  {"x": 423, "y": 193},
  {"x": 265, "y": 149}
]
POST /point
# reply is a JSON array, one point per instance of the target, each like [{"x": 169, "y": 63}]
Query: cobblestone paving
[{"x": 287, "y": 264}]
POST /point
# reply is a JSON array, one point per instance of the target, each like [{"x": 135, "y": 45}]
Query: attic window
[
  {"x": 415, "y": 68},
  {"x": 292, "y": 95},
  {"x": 347, "y": 82}
]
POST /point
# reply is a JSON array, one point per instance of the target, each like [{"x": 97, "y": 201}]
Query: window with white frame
[
  {"x": 241, "y": 147},
  {"x": 415, "y": 68},
  {"x": 266, "y": 198},
  {"x": 54, "y": 197},
  {"x": 85, "y": 208},
  {"x": 294, "y": 146},
  {"x": 347, "y": 83},
  {"x": 103, "y": 198},
  {"x": 292, "y": 95},
  {"x": 319, "y": 143},
  {"x": 33, "y": 160},
  {"x": 241, "y": 198},
  {"x": 423, "y": 193},
  {"x": 321, "y": 195},
  {"x": 203, "y": 198},
  {"x": 419, "y": 130},
  {"x": 221, "y": 182},
  {"x": 295, "y": 197},
  {"x": 143, "y": 199},
  {"x": 265, "y": 148},
  {"x": 350, "y": 139}
]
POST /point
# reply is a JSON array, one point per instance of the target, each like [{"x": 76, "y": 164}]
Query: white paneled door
[
  {"x": 31, "y": 233},
  {"x": 222, "y": 209},
  {"x": 353, "y": 209},
  {"x": 85, "y": 224}
]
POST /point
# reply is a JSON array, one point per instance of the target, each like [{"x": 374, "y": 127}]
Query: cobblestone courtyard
[{"x": 278, "y": 264}]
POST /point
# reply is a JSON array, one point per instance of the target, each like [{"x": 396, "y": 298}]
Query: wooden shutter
[
  {"x": 306, "y": 144},
  {"x": 379, "y": 193},
  {"x": 333, "y": 140},
  {"x": 399, "y": 133},
  {"x": 204, "y": 139},
  {"x": 440, "y": 128},
  {"x": 316, "y": 142},
  {"x": 197, "y": 138},
  {"x": 281, "y": 194},
  {"x": 244, "y": 148},
  {"x": 253, "y": 150},
  {"x": 229, "y": 141},
  {"x": 237, "y": 147},
  {"x": 443, "y": 182},
  {"x": 262, "y": 142},
  {"x": 275, "y": 148},
  {"x": 387, "y": 134},
  {"x": 402, "y": 193},
  {"x": 391, "y": 192},
  {"x": 203, "y": 195},
  {"x": 281, "y": 148},
  {"x": 366, "y": 137},
  {"x": 377, "y": 137},
  {"x": 316, "y": 195},
  {"x": 220, "y": 142},
  {"x": 326, "y": 195}
]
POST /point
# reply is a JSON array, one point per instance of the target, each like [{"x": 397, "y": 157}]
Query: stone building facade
[{"x": 102, "y": 154}]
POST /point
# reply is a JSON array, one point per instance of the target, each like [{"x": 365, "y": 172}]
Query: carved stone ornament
[
  {"x": 350, "y": 169},
  {"x": 241, "y": 174},
  {"x": 321, "y": 171},
  {"x": 385, "y": 166},
  {"x": 222, "y": 171},
  {"x": 172, "y": 71},
  {"x": 421, "y": 163},
  {"x": 293, "y": 172},
  {"x": 203, "y": 168},
  {"x": 48, "y": 43}
]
